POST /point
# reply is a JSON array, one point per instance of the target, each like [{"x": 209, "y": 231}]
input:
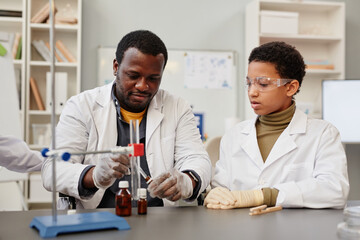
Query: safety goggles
[{"x": 265, "y": 84}]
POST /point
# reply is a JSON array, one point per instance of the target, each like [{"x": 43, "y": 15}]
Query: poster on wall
[{"x": 208, "y": 70}]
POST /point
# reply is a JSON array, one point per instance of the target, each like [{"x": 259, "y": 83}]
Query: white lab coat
[
  {"x": 16, "y": 156},
  {"x": 307, "y": 164},
  {"x": 88, "y": 122}
]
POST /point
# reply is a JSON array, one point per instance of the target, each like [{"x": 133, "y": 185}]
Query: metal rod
[
  {"x": 123, "y": 150},
  {"x": 53, "y": 117},
  {"x": 91, "y": 152},
  {"x": 138, "y": 158},
  {"x": 131, "y": 131}
]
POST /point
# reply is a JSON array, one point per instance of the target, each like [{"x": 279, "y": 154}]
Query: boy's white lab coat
[
  {"x": 307, "y": 164},
  {"x": 88, "y": 122}
]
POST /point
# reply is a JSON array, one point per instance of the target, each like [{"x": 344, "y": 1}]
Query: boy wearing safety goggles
[{"x": 282, "y": 157}]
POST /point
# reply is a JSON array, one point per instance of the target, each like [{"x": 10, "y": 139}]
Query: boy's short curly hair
[{"x": 287, "y": 60}]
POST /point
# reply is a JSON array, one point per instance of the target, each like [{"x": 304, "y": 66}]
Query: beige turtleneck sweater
[{"x": 269, "y": 128}]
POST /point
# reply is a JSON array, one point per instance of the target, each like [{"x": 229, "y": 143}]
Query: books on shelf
[
  {"x": 65, "y": 17},
  {"x": 41, "y": 48},
  {"x": 17, "y": 46},
  {"x": 36, "y": 93},
  {"x": 329, "y": 66},
  {"x": 61, "y": 84},
  {"x": 57, "y": 56},
  {"x": 18, "y": 84},
  {"x": 19, "y": 49},
  {"x": 10, "y": 13},
  {"x": 319, "y": 64},
  {"x": 62, "y": 54},
  {"x": 64, "y": 20},
  {"x": 67, "y": 54},
  {"x": 42, "y": 15}
]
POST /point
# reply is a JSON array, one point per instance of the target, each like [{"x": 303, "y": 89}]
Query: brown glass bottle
[
  {"x": 123, "y": 200},
  {"x": 142, "y": 202}
]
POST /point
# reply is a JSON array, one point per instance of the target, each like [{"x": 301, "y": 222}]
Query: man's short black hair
[
  {"x": 143, "y": 40},
  {"x": 287, "y": 60}
]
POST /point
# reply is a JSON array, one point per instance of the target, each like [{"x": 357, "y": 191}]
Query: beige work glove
[
  {"x": 219, "y": 196},
  {"x": 222, "y": 198}
]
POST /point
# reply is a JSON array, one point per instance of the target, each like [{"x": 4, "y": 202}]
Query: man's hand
[
  {"x": 171, "y": 185},
  {"x": 108, "y": 169}
]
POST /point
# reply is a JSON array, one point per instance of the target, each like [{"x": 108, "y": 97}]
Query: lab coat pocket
[
  {"x": 168, "y": 149},
  {"x": 296, "y": 172}
]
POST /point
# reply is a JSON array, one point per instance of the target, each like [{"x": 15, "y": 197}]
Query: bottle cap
[
  {"x": 142, "y": 192},
  {"x": 123, "y": 184}
]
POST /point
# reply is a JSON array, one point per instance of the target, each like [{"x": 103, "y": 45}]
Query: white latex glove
[
  {"x": 248, "y": 198},
  {"x": 171, "y": 185},
  {"x": 109, "y": 168}
]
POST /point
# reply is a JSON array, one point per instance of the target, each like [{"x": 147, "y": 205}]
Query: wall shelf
[{"x": 321, "y": 36}]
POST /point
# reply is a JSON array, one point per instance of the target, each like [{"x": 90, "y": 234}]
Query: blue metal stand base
[{"x": 78, "y": 223}]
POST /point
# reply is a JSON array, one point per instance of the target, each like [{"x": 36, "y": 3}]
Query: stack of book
[
  {"x": 62, "y": 54},
  {"x": 319, "y": 64},
  {"x": 42, "y": 16}
]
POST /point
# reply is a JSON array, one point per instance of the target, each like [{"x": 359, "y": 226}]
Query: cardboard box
[{"x": 279, "y": 22}]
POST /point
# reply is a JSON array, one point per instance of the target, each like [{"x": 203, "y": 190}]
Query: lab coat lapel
[
  {"x": 282, "y": 146},
  {"x": 105, "y": 120},
  {"x": 285, "y": 142},
  {"x": 250, "y": 145},
  {"x": 154, "y": 117}
]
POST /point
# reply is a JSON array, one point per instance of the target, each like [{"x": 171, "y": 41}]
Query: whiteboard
[
  {"x": 217, "y": 102},
  {"x": 340, "y": 104},
  {"x": 106, "y": 55}
]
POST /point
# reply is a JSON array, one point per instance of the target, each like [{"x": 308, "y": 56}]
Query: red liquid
[
  {"x": 123, "y": 203},
  {"x": 142, "y": 206}
]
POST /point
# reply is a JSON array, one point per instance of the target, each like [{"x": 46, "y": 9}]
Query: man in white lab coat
[
  {"x": 283, "y": 157},
  {"x": 98, "y": 120}
]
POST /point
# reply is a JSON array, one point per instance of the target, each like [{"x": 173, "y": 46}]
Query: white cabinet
[
  {"x": 320, "y": 38},
  {"x": 16, "y": 25},
  {"x": 37, "y": 66}
]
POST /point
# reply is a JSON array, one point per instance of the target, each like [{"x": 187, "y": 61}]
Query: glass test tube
[{"x": 135, "y": 161}]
